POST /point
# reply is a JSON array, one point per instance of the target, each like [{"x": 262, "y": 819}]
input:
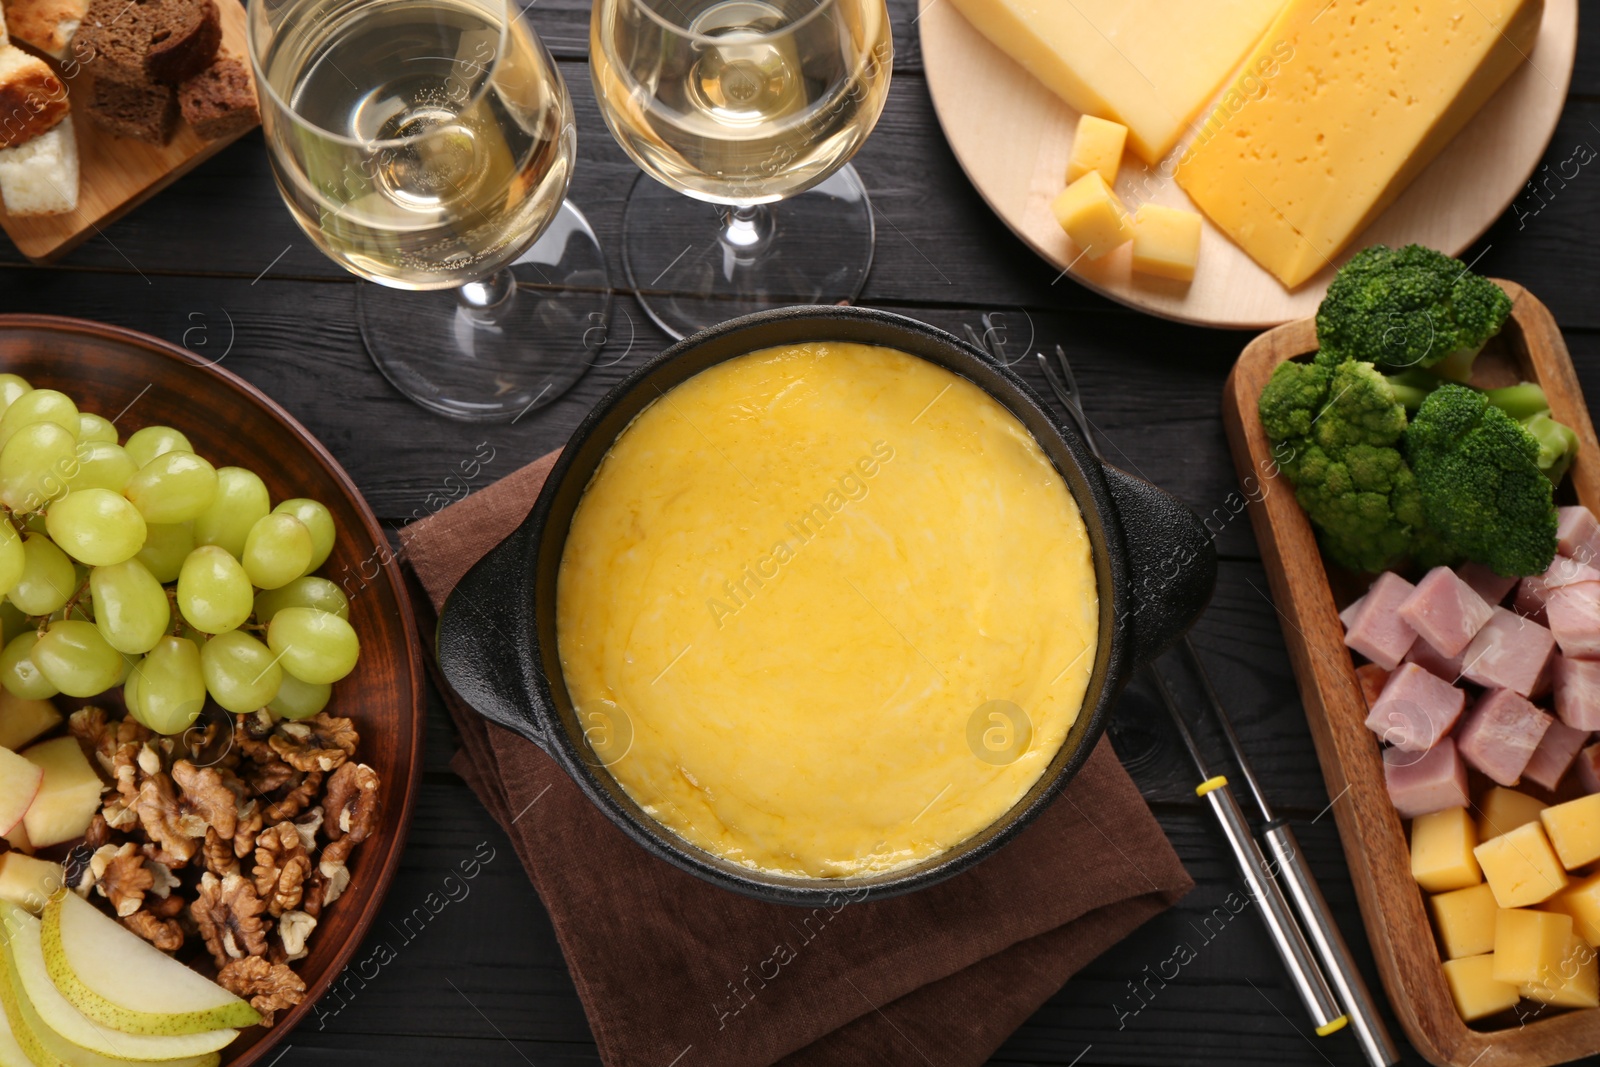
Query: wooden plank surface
[{"x": 217, "y": 258}]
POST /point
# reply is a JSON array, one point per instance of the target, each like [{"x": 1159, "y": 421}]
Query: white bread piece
[
  {"x": 47, "y": 25},
  {"x": 40, "y": 177},
  {"x": 32, "y": 98}
]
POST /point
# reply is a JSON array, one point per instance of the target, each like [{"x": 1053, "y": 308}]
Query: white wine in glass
[
  {"x": 426, "y": 145},
  {"x": 742, "y": 103}
]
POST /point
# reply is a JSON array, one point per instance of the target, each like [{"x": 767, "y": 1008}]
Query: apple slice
[
  {"x": 43, "y": 1046},
  {"x": 59, "y": 1015},
  {"x": 68, "y": 797},
  {"x": 19, "y": 784},
  {"x": 22, "y": 720},
  {"x": 29, "y": 882},
  {"x": 119, "y": 979},
  {"x": 18, "y": 839}
]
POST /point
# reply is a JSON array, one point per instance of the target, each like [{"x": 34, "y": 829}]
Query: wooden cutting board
[
  {"x": 1012, "y": 136},
  {"x": 1308, "y": 597},
  {"x": 117, "y": 174}
]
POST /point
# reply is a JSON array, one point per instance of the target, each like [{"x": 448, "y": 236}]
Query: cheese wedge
[
  {"x": 1294, "y": 166},
  {"x": 1148, "y": 64}
]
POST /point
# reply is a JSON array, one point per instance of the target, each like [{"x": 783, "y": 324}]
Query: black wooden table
[{"x": 216, "y": 264}]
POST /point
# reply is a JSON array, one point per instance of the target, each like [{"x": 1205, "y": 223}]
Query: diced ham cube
[
  {"x": 1485, "y": 582},
  {"x": 1578, "y": 534},
  {"x": 1577, "y": 683},
  {"x": 1446, "y": 667},
  {"x": 1372, "y": 678},
  {"x": 1574, "y": 612},
  {"x": 1555, "y": 754},
  {"x": 1500, "y": 734},
  {"x": 1510, "y": 652},
  {"x": 1348, "y": 615},
  {"x": 1415, "y": 709},
  {"x": 1588, "y": 767},
  {"x": 1530, "y": 598},
  {"x": 1566, "y": 571},
  {"x": 1376, "y": 629},
  {"x": 1445, "y": 611},
  {"x": 1424, "y": 782}
]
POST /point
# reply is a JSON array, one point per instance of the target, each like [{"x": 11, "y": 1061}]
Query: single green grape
[
  {"x": 12, "y": 622},
  {"x": 130, "y": 692},
  {"x": 47, "y": 579},
  {"x": 214, "y": 592},
  {"x": 240, "y": 502},
  {"x": 240, "y": 672},
  {"x": 19, "y": 674},
  {"x": 146, "y": 444},
  {"x": 76, "y": 659},
  {"x": 319, "y": 520},
  {"x": 35, "y": 465},
  {"x": 314, "y": 646},
  {"x": 101, "y": 465},
  {"x": 96, "y": 527},
  {"x": 171, "y": 686},
  {"x": 39, "y": 405},
  {"x": 173, "y": 487},
  {"x": 11, "y": 387},
  {"x": 307, "y": 592},
  {"x": 92, "y": 427},
  {"x": 166, "y": 546},
  {"x": 131, "y": 608},
  {"x": 277, "y": 551},
  {"x": 12, "y": 558},
  {"x": 299, "y": 700}
]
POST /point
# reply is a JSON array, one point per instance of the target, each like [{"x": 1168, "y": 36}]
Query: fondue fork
[{"x": 1315, "y": 915}]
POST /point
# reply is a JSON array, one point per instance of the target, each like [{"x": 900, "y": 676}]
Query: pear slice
[
  {"x": 120, "y": 980},
  {"x": 27, "y": 956},
  {"x": 42, "y": 1046},
  {"x": 12, "y": 1054}
]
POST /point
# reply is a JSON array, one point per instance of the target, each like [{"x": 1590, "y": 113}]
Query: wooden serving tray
[
  {"x": 117, "y": 174},
  {"x": 1308, "y": 598}
]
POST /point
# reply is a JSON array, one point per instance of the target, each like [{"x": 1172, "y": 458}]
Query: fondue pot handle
[
  {"x": 481, "y": 628},
  {"x": 1172, "y": 564}
]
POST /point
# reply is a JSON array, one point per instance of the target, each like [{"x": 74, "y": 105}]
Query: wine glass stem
[
  {"x": 746, "y": 237},
  {"x": 488, "y": 301}
]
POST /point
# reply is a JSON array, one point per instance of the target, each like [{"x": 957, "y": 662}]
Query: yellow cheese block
[
  {"x": 1474, "y": 989},
  {"x": 1092, "y": 216},
  {"x": 1465, "y": 920},
  {"x": 1529, "y": 944},
  {"x": 1148, "y": 64},
  {"x": 1441, "y": 851},
  {"x": 1521, "y": 867},
  {"x": 1501, "y": 810},
  {"x": 1574, "y": 830},
  {"x": 1581, "y": 900},
  {"x": 1573, "y": 982},
  {"x": 1097, "y": 146},
  {"x": 1370, "y": 92}
]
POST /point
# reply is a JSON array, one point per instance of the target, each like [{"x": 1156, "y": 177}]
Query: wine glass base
[
  {"x": 486, "y": 359},
  {"x": 689, "y": 275}
]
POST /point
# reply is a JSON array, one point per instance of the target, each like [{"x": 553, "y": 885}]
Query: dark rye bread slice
[
  {"x": 220, "y": 101},
  {"x": 146, "y": 113},
  {"x": 138, "y": 41}
]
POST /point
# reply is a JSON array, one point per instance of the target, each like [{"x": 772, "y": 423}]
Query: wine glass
[
  {"x": 426, "y": 145},
  {"x": 739, "y": 104}
]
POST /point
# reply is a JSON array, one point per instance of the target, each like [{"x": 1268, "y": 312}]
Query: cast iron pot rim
[{"x": 1113, "y": 652}]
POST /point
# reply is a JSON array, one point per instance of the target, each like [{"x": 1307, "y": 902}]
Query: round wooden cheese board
[{"x": 1012, "y": 136}]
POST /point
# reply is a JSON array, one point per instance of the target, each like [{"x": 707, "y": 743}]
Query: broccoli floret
[
  {"x": 1409, "y": 307},
  {"x": 1483, "y": 492}
]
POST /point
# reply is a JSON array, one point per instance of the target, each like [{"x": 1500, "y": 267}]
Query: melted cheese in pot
[{"x": 827, "y": 610}]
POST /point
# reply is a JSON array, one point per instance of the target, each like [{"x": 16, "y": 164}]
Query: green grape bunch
[{"x": 136, "y": 563}]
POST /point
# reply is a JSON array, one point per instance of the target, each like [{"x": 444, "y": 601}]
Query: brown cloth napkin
[{"x": 675, "y": 971}]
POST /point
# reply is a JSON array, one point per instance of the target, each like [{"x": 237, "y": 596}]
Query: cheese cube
[
  {"x": 1096, "y": 146},
  {"x": 1441, "y": 851},
  {"x": 1502, "y": 810},
  {"x": 1521, "y": 867},
  {"x": 1574, "y": 830},
  {"x": 1166, "y": 242},
  {"x": 1474, "y": 989},
  {"x": 1092, "y": 215},
  {"x": 1528, "y": 944},
  {"x": 1465, "y": 920},
  {"x": 1581, "y": 900},
  {"x": 1294, "y": 166},
  {"x": 1574, "y": 981}
]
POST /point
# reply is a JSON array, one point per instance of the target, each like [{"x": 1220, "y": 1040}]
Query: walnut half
[
  {"x": 228, "y": 914},
  {"x": 269, "y": 987}
]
